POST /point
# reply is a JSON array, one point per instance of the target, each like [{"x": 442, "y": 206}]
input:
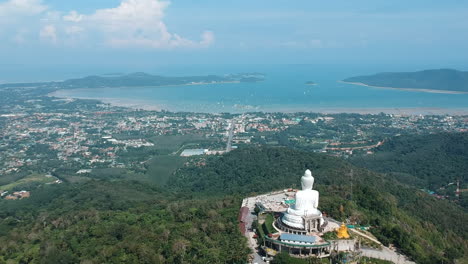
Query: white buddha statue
[{"x": 306, "y": 204}]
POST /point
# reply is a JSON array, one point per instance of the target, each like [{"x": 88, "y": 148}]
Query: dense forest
[
  {"x": 194, "y": 218},
  {"x": 119, "y": 222},
  {"x": 427, "y": 161}
]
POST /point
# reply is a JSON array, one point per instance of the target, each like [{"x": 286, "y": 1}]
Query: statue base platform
[{"x": 301, "y": 224}]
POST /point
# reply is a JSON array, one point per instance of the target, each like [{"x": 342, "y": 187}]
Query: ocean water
[{"x": 283, "y": 90}]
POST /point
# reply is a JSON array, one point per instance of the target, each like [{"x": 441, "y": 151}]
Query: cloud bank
[
  {"x": 133, "y": 23},
  {"x": 11, "y": 10}
]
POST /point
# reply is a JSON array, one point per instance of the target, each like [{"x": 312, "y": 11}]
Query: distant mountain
[
  {"x": 441, "y": 79},
  {"x": 140, "y": 79}
]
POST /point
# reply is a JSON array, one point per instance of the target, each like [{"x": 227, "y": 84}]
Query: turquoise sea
[{"x": 283, "y": 90}]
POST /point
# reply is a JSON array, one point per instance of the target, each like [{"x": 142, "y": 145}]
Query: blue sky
[{"x": 138, "y": 33}]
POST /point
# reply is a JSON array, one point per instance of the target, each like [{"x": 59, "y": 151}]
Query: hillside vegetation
[
  {"x": 428, "y": 161},
  {"x": 194, "y": 218},
  {"x": 119, "y": 222},
  {"x": 427, "y": 229}
]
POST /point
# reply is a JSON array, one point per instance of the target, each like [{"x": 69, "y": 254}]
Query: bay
[{"x": 284, "y": 90}]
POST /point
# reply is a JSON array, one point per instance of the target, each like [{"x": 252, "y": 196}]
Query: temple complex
[
  {"x": 300, "y": 226},
  {"x": 289, "y": 221}
]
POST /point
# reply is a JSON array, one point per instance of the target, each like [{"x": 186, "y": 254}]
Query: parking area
[{"x": 273, "y": 202}]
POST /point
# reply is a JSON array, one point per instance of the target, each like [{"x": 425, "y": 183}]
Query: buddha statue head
[{"x": 307, "y": 181}]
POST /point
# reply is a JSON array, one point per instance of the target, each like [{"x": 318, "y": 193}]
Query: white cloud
[
  {"x": 73, "y": 16},
  {"x": 208, "y": 38},
  {"x": 73, "y": 30},
  {"x": 13, "y": 8},
  {"x": 21, "y": 36},
  {"x": 14, "y": 18},
  {"x": 133, "y": 23},
  {"x": 49, "y": 33},
  {"x": 51, "y": 16}
]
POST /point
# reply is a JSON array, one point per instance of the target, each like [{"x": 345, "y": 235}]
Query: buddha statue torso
[{"x": 306, "y": 204}]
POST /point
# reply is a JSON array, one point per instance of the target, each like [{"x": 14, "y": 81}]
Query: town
[{"x": 45, "y": 140}]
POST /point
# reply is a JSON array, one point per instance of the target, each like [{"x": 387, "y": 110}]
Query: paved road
[
  {"x": 230, "y": 136},
  {"x": 252, "y": 242},
  {"x": 386, "y": 254},
  {"x": 364, "y": 235}
]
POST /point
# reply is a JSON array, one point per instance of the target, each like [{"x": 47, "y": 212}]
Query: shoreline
[
  {"x": 406, "y": 89},
  {"x": 119, "y": 102},
  {"x": 372, "y": 110},
  {"x": 154, "y": 106}
]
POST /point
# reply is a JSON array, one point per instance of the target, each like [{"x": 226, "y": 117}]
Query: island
[
  {"x": 310, "y": 83},
  {"x": 434, "y": 81},
  {"x": 139, "y": 79}
]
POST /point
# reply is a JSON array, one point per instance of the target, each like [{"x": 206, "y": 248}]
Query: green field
[
  {"x": 268, "y": 225},
  {"x": 174, "y": 143},
  {"x": 9, "y": 178},
  {"x": 159, "y": 170},
  {"x": 33, "y": 179}
]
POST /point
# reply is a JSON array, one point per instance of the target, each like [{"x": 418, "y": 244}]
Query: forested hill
[
  {"x": 258, "y": 170},
  {"x": 194, "y": 218},
  {"x": 119, "y": 222},
  {"x": 144, "y": 79},
  {"x": 442, "y": 79},
  {"x": 427, "y": 161},
  {"x": 139, "y": 79},
  {"x": 425, "y": 228}
]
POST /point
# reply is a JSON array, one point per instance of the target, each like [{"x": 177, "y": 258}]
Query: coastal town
[{"x": 46, "y": 139}]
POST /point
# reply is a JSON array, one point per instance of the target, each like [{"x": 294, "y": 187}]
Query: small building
[
  {"x": 297, "y": 239},
  {"x": 193, "y": 152},
  {"x": 243, "y": 213},
  {"x": 84, "y": 171},
  {"x": 17, "y": 195},
  {"x": 22, "y": 194},
  {"x": 298, "y": 245},
  {"x": 242, "y": 218}
]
